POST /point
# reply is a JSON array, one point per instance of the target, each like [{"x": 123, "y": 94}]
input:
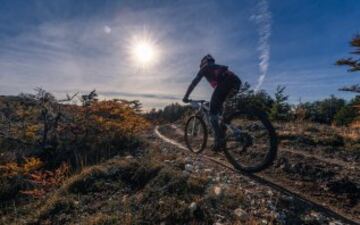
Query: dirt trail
[
  {"x": 280, "y": 184},
  {"x": 336, "y": 162}
]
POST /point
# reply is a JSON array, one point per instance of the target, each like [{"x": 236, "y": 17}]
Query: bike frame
[{"x": 203, "y": 110}]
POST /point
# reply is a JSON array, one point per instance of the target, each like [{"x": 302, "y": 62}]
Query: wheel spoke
[
  {"x": 254, "y": 147},
  {"x": 195, "y": 134}
]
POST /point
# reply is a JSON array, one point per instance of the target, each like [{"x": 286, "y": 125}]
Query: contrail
[{"x": 263, "y": 19}]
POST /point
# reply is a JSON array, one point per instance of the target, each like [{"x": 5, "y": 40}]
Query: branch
[
  {"x": 69, "y": 98},
  {"x": 355, "y": 42},
  {"x": 354, "y": 64},
  {"x": 354, "y": 88}
]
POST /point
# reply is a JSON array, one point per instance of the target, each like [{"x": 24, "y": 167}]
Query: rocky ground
[
  {"x": 167, "y": 185},
  {"x": 309, "y": 169}
]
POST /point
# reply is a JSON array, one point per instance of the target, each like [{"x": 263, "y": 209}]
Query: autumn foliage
[{"x": 47, "y": 138}]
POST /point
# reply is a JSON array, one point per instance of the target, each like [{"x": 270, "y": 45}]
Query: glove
[{"x": 185, "y": 100}]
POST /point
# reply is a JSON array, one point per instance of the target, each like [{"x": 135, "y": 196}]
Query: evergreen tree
[{"x": 280, "y": 108}]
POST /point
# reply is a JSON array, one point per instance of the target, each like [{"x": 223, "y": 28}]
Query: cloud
[
  {"x": 93, "y": 52},
  {"x": 263, "y": 20},
  {"x": 107, "y": 29}
]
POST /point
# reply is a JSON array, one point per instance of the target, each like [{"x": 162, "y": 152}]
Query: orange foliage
[
  {"x": 13, "y": 169},
  {"x": 117, "y": 116},
  {"x": 46, "y": 180}
]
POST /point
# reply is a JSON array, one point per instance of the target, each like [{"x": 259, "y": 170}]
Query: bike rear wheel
[
  {"x": 254, "y": 148},
  {"x": 196, "y": 134}
]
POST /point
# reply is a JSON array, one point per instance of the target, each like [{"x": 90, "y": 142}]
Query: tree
[
  {"x": 323, "y": 111},
  {"x": 353, "y": 63},
  {"x": 280, "y": 108},
  {"x": 345, "y": 115}
]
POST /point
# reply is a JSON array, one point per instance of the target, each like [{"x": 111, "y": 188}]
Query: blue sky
[{"x": 67, "y": 46}]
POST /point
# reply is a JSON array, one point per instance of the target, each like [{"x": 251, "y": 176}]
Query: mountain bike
[{"x": 251, "y": 141}]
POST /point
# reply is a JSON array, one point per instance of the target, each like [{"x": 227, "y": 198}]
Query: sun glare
[{"x": 144, "y": 52}]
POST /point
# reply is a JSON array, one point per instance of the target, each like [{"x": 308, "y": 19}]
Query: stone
[
  {"x": 218, "y": 190},
  {"x": 129, "y": 157},
  {"x": 192, "y": 207},
  {"x": 241, "y": 214},
  {"x": 189, "y": 167}
]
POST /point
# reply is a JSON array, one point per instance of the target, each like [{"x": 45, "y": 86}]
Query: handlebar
[{"x": 197, "y": 103}]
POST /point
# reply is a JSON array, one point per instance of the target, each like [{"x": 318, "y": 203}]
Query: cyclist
[{"x": 224, "y": 83}]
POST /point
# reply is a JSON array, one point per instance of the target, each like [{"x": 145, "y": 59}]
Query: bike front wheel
[
  {"x": 196, "y": 134},
  {"x": 251, "y": 140}
]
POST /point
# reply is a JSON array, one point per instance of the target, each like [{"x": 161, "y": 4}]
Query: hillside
[
  {"x": 102, "y": 162},
  {"x": 165, "y": 185}
]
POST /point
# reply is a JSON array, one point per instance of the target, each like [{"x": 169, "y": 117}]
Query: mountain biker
[{"x": 224, "y": 83}]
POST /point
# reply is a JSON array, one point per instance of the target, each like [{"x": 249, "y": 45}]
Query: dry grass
[{"x": 105, "y": 219}]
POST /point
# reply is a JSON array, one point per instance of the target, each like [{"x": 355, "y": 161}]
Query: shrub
[
  {"x": 345, "y": 116},
  {"x": 78, "y": 134},
  {"x": 280, "y": 109}
]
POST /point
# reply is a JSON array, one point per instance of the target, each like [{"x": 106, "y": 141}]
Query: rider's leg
[{"x": 216, "y": 102}]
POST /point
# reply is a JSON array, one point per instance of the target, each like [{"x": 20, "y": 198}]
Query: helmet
[{"x": 206, "y": 60}]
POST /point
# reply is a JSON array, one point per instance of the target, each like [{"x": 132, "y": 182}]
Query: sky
[{"x": 68, "y": 46}]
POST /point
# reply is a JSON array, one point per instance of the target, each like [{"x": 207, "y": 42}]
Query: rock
[
  {"x": 189, "y": 167},
  {"x": 265, "y": 222},
  {"x": 129, "y": 157},
  {"x": 167, "y": 161},
  {"x": 208, "y": 170},
  {"x": 218, "y": 190},
  {"x": 192, "y": 207},
  {"x": 241, "y": 214},
  {"x": 217, "y": 223},
  {"x": 317, "y": 216}
]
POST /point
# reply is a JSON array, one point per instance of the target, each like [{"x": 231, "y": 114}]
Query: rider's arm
[{"x": 193, "y": 84}]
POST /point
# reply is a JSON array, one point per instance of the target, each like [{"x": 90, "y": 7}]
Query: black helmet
[{"x": 206, "y": 60}]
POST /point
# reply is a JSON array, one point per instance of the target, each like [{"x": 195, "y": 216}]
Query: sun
[{"x": 144, "y": 52}]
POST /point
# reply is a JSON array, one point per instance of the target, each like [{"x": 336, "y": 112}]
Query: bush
[
  {"x": 170, "y": 113},
  {"x": 280, "y": 109},
  {"x": 345, "y": 116},
  {"x": 323, "y": 111},
  {"x": 45, "y": 127},
  {"x": 55, "y": 138}
]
